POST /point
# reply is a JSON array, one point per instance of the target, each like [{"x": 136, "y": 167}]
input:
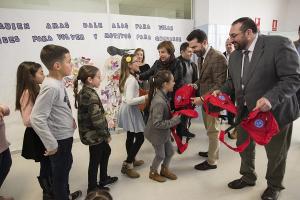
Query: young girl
[
  {"x": 129, "y": 116},
  {"x": 29, "y": 76},
  {"x": 93, "y": 129},
  {"x": 5, "y": 156},
  {"x": 157, "y": 130}
]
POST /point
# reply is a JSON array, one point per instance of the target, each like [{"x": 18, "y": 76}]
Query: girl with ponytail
[
  {"x": 93, "y": 128},
  {"x": 160, "y": 122}
]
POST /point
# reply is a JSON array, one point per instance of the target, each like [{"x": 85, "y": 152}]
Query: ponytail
[{"x": 156, "y": 83}]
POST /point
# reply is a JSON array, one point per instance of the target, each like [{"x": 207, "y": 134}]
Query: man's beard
[
  {"x": 200, "y": 53},
  {"x": 240, "y": 46}
]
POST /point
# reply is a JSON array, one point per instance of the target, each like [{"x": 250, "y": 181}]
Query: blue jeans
[
  {"x": 61, "y": 163},
  {"x": 5, "y": 164}
]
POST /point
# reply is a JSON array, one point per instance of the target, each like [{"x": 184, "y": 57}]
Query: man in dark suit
[
  {"x": 212, "y": 71},
  {"x": 264, "y": 74}
]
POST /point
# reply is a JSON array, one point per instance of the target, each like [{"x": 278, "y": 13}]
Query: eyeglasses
[{"x": 233, "y": 35}]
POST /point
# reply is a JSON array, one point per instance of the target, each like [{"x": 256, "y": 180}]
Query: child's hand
[
  {"x": 50, "y": 152},
  {"x": 197, "y": 101}
]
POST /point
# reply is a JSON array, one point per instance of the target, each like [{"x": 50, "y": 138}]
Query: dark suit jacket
[
  {"x": 213, "y": 73},
  {"x": 274, "y": 74}
]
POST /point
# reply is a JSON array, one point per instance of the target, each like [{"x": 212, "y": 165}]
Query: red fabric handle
[{"x": 239, "y": 148}]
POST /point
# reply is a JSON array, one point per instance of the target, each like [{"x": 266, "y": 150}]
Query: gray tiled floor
[{"x": 191, "y": 184}]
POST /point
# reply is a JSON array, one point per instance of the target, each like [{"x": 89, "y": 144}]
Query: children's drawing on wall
[
  {"x": 109, "y": 90},
  {"x": 77, "y": 63},
  {"x": 110, "y": 94}
]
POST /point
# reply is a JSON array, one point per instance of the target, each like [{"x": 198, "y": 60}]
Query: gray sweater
[{"x": 51, "y": 116}]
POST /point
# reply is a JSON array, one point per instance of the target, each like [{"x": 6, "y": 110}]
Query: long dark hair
[
  {"x": 25, "y": 81},
  {"x": 156, "y": 83},
  {"x": 84, "y": 72},
  {"x": 126, "y": 60}
]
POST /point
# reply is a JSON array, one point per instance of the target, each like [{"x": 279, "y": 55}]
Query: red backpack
[
  {"x": 183, "y": 97},
  {"x": 261, "y": 127}
]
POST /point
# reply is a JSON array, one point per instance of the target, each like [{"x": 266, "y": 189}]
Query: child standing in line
[
  {"x": 5, "y": 157},
  {"x": 93, "y": 128},
  {"x": 29, "y": 76},
  {"x": 52, "y": 119},
  {"x": 160, "y": 122},
  {"x": 129, "y": 116}
]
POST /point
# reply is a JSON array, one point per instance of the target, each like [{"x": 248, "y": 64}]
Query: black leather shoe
[
  {"x": 270, "y": 194},
  {"x": 205, "y": 166},
  {"x": 239, "y": 184},
  {"x": 203, "y": 154},
  {"x": 109, "y": 180}
]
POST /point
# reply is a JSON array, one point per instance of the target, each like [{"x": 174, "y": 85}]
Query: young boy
[{"x": 52, "y": 119}]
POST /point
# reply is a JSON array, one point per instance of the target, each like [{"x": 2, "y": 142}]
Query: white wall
[
  {"x": 291, "y": 21},
  {"x": 225, "y": 12}
]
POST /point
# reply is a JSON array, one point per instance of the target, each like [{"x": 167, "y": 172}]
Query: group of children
[{"x": 47, "y": 116}]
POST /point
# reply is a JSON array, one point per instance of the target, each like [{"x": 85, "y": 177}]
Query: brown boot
[
  {"x": 127, "y": 169},
  {"x": 155, "y": 176},
  {"x": 137, "y": 163},
  {"x": 167, "y": 173}
]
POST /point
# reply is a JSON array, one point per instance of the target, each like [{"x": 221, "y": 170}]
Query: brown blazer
[{"x": 213, "y": 72}]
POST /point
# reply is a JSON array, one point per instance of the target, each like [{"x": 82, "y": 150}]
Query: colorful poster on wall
[{"x": 98, "y": 39}]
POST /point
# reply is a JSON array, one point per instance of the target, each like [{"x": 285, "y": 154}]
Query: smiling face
[
  {"x": 140, "y": 56},
  {"x": 237, "y": 37},
  {"x": 187, "y": 53},
  {"x": 199, "y": 48},
  {"x": 163, "y": 54},
  {"x": 135, "y": 65},
  {"x": 229, "y": 46}
]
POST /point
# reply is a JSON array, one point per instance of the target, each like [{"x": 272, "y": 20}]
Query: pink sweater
[
  {"x": 26, "y": 108},
  {"x": 3, "y": 141}
]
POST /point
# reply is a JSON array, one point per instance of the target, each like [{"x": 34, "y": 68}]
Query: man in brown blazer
[{"x": 212, "y": 68}]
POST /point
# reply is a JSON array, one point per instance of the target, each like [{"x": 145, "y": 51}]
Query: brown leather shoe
[
  {"x": 167, "y": 173},
  {"x": 156, "y": 177},
  {"x": 127, "y": 168},
  {"x": 137, "y": 163}
]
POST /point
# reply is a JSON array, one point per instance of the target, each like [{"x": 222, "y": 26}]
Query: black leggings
[
  {"x": 134, "y": 142},
  {"x": 99, "y": 156}
]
